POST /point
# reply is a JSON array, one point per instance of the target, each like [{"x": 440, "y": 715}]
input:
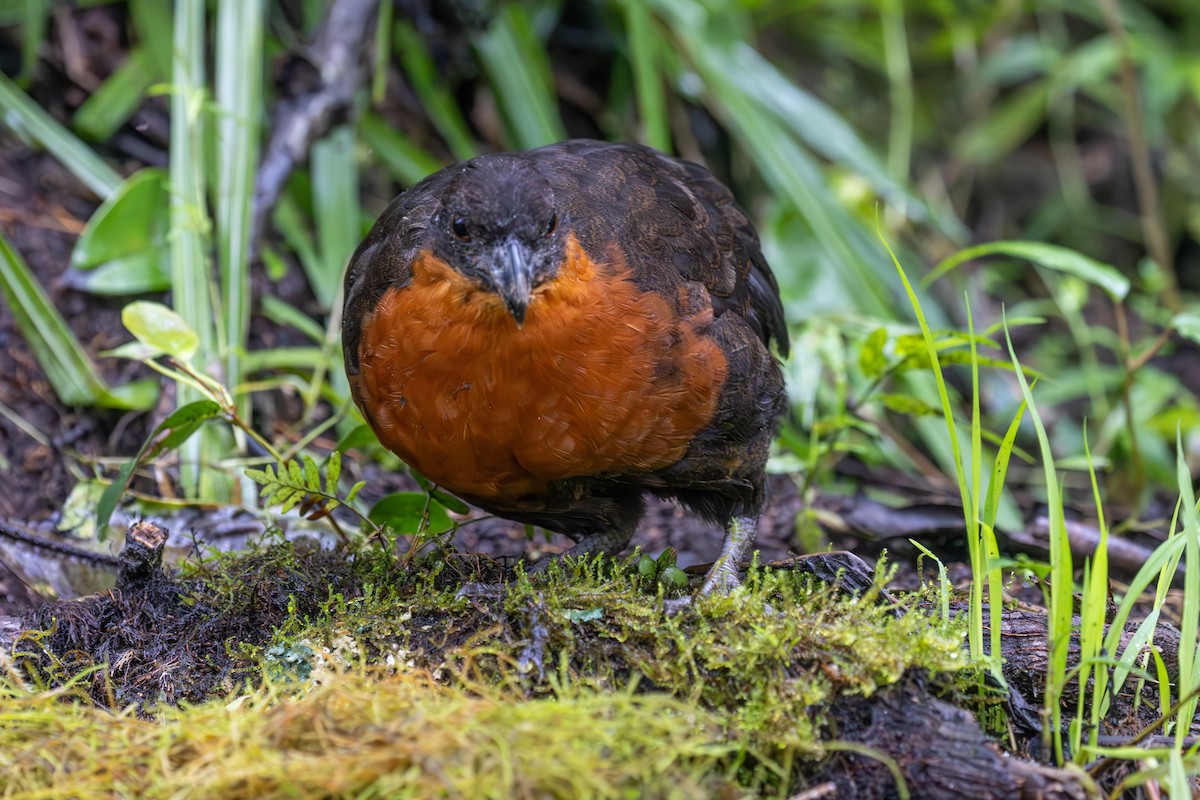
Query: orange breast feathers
[{"x": 602, "y": 377}]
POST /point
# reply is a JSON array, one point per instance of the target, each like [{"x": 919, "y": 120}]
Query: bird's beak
[{"x": 512, "y": 276}]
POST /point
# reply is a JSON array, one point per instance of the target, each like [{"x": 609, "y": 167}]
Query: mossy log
[{"x": 871, "y": 726}]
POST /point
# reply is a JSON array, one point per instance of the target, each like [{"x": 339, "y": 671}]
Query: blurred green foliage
[{"x": 939, "y": 124}]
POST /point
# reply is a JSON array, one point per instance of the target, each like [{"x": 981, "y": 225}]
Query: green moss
[
  {"x": 366, "y": 734},
  {"x": 369, "y": 679},
  {"x": 762, "y": 661}
]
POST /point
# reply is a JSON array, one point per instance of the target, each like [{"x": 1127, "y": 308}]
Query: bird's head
[{"x": 499, "y": 226}]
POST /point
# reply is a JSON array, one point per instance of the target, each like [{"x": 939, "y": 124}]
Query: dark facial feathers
[{"x": 674, "y": 221}]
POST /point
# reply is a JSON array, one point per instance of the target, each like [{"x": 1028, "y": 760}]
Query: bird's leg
[
  {"x": 723, "y": 574},
  {"x": 610, "y": 541}
]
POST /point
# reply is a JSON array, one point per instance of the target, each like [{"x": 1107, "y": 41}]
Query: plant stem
[
  {"x": 1154, "y": 227},
  {"x": 1139, "y": 470}
]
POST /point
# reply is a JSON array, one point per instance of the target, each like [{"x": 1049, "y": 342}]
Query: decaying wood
[
  {"x": 940, "y": 527},
  {"x": 141, "y": 558},
  {"x": 938, "y": 748},
  {"x": 1023, "y": 644}
]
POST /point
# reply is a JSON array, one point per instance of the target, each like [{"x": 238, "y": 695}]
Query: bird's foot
[
  {"x": 722, "y": 577},
  {"x": 719, "y": 580}
]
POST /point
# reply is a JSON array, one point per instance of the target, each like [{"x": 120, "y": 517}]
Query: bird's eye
[
  {"x": 553, "y": 226},
  {"x": 459, "y": 226}
]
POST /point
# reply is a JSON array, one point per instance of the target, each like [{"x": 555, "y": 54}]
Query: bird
[{"x": 555, "y": 334}]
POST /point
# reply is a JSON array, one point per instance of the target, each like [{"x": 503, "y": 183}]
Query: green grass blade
[
  {"x": 519, "y": 72},
  {"x": 814, "y": 123},
  {"x": 190, "y": 276},
  {"x": 382, "y": 52},
  {"x": 106, "y": 109},
  {"x": 1009, "y": 123},
  {"x": 335, "y": 210},
  {"x": 794, "y": 174},
  {"x": 1051, "y": 256},
  {"x": 1000, "y": 467},
  {"x": 1141, "y": 635},
  {"x": 33, "y": 33},
  {"x": 239, "y": 73},
  {"x": 404, "y": 159},
  {"x": 26, "y": 117},
  {"x": 283, "y": 313},
  {"x": 431, "y": 89},
  {"x": 900, "y": 84},
  {"x": 1093, "y": 612},
  {"x": 967, "y": 485},
  {"x": 1061, "y": 573},
  {"x": 1189, "y": 623},
  {"x": 644, "y": 46},
  {"x": 1161, "y": 565},
  {"x": 1178, "y": 783},
  {"x": 59, "y": 353},
  {"x": 152, "y": 19},
  {"x": 299, "y": 359}
]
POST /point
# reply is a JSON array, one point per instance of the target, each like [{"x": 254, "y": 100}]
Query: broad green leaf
[
  {"x": 312, "y": 475},
  {"x": 1051, "y": 256},
  {"x": 168, "y": 435},
  {"x": 137, "y": 273},
  {"x": 451, "y": 502},
  {"x": 353, "y": 493},
  {"x": 357, "y": 437},
  {"x": 156, "y": 325},
  {"x": 402, "y": 512},
  {"x": 871, "y": 358},
  {"x": 135, "y": 395},
  {"x": 1187, "y": 325},
  {"x": 333, "y": 472},
  {"x": 674, "y": 578}
]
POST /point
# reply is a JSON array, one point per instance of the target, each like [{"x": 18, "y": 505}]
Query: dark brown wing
[{"x": 674, "y": 221}]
